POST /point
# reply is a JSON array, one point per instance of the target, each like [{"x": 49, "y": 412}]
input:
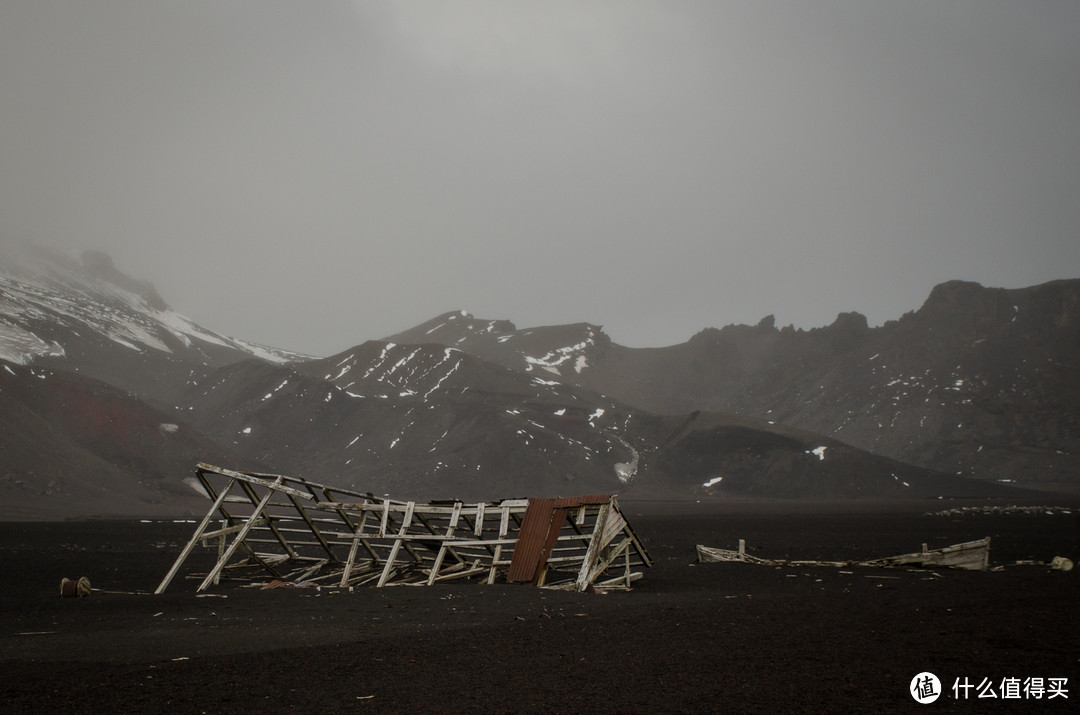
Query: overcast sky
[{"x": 314, "y": 174}]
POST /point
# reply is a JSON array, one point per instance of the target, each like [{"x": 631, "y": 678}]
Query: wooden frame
[{"x": 301, "y": 532}]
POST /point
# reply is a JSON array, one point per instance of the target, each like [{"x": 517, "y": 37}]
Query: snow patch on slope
[
  {"x": 57, "y": 292},
  {"x": 20, "y": 346},
  {"x": 572, "y": 356}
]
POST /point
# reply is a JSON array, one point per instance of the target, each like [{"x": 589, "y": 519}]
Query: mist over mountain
[
  {"x": 978, "y": 381},
  {"x": 82, "y": 313},
  {"x": 109, "y": 398}
]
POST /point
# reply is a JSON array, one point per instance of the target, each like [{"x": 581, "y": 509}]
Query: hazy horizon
[{"x": 310, "y": 176}]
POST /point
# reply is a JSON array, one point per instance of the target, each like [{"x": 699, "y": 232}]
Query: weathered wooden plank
[
  {"x": 385, "y": 517},
  {"x": 478, "y": 527},
  {"x": 620, "y": 582},
  {"x": 267, "y": 518},
  {"x": 639, "y": 548},
  {"x": 475, "y": 571},
  {"x": 593, "y": 552},
  {"x": 608, "y": 557},
  {"x": 314, "y": 529},
  {"x": 191, "y": 544},
  {"x": 970, "y": 555},
  {"x": 227, "y": 530},
  {"x": 442, "y": 550},
  {"x": 276, "y": 484},
  {"x": 504, "y": 525},
  {"x": 346, "y": 573},
  {"x": 406, "y": 520},
  {"x": 389, "y": 563},
  {"x": 235, "y": 543}
]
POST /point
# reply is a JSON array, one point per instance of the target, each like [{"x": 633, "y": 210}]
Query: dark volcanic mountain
[
  {"x": 73, "y": 445},
  {"x": 431, "y": 421},
  {"x": 84, "y": 314},
  {"x": 109, "y": 398},
  {"x": 979, "y": 381}
]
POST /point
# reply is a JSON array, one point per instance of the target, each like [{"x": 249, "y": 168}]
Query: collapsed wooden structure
[
  {"x": 969, "y": 556},
  {"x": 297, "y": 531}
]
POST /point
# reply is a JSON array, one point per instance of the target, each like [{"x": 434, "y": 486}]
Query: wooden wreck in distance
[
  {"x": 968, "y": 556},
  {"x": 295, "y": 530}
]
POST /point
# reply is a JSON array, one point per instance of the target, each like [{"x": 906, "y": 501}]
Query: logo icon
[{"x": 925, "y": 688}]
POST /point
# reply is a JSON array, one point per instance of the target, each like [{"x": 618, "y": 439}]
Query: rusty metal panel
[
  {"x": 554, "y": 529},
  {"x": 539, "y": 533},
  {"x": 532, "y": 539}
]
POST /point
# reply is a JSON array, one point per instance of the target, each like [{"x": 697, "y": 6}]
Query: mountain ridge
[
  {"x": 1001, "y": 361},
  {"x": 456, "y": 407}
]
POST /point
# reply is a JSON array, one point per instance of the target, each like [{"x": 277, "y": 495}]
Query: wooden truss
[{"x": 298, "y": 531}]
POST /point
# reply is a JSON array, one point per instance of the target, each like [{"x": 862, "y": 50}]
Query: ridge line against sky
[{"x": 310, "y": 176}]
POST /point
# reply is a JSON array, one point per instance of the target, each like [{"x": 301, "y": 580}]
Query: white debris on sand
[{"x": 1011, "y": 509}]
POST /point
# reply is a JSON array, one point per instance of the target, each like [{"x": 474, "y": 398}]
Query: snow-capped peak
[{"x": 49, "y": 299}]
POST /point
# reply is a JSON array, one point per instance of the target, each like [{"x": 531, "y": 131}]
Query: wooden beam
[
  {"x": 504, "y": 525},
  {"x": 191, "y": 544},
  {"x": 236, "y": 542},
  {"x": 267, "y": 518},
  {"x": 478, "y": 528},
  {"x": 228, "y": 530},
  {"x": 314, "y": 529},
  {"x": 442, "y": 550},
  {"x": 406, "y": 520},
  {"x": 277, "y": 484},
  {"x": 593, "y": 552},
  {"x": 346, "y": 573}
]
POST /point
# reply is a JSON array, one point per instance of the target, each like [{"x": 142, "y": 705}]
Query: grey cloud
[{"x": 313, "y": 175}]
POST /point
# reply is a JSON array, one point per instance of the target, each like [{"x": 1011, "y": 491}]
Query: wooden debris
[
  {"x": 298, "y": 531},
  {"x": 997, "y": 509},
  {"x": 969, "y": 556}
]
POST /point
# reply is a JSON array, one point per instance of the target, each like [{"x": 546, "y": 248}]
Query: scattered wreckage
[
  {"x": 297, "y": 531},
  {"x": 969, "y": 556}
]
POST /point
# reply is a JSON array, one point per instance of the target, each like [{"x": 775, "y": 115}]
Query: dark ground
[{"x": 689, "y": 637}]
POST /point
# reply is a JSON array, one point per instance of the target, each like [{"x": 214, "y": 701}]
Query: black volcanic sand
[{"x": 689, "y": 637}]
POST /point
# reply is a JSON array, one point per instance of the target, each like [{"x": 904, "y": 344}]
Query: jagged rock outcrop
[
  {"x": 109, "y": 398},
  {"x": 978, "y": 381}
]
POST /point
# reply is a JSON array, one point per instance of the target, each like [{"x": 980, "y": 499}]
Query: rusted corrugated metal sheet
[
  {"x": 554, "y": 529},
  {"x": 540, "y": 528},
  {"x": 532, "y": 537}
]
